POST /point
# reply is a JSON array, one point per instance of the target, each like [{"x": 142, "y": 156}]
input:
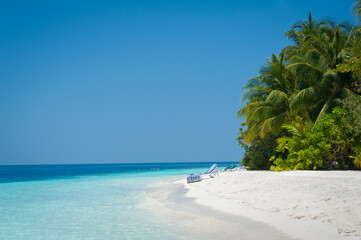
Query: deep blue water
[{"x": 20, "y": 173}]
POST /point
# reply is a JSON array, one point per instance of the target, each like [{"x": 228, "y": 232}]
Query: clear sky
[{"x": 134, "y": 81}]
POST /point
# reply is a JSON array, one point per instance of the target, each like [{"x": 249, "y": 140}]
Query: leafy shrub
[
  {"x": 332, "y": 143},
  {"x": 258, "y": 152}
]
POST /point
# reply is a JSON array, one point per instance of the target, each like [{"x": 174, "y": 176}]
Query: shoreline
[
  {"x": 264, "y": 204},
  {"x": 170, "y": 198},
  {"x": 301, "y": 204}
]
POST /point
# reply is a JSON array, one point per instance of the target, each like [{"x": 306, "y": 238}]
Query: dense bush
[
  {"x": 258, "y": 153},
  {"x": 332, "y": 143}
]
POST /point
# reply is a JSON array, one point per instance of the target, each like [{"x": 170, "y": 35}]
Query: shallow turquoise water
[{"x": 106, "y": 206}]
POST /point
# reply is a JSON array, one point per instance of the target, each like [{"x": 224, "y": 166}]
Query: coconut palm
[
  {"x": 297, "y": 88},
  {"x": 357, "y": 9},
  {"x": 268, "y": 97},
  {"x": 302, "y": 80},
  {"x": 314, "y": 60},
  {"x": 303, "y": 28}
]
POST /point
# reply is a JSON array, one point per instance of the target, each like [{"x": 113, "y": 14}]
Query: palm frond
[{"x": 302, "y": 98}]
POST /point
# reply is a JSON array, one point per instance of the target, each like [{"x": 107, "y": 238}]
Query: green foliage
[
  {"x": 352, "y": 120},
  {"x": 310, "y": 90},
  {"x": 303, "y": 80},
  {"x": 332, "y": 143},
  {"x": 268, "y": 99},
  {"x": 304, "y": 152},
  {"x": 352, "y": 125},
  {"x": 357, "y": 9},
  {"x": 258, "y": 153}
]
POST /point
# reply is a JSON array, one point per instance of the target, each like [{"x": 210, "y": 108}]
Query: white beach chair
[{"x": 198, "y": 177}]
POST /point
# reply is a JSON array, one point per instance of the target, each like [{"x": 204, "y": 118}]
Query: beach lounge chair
[
  {"x": 229, "y": 168},
  {"x": 198, "y": 177},
  {"x": 194, "y": 178},
  {"x": 225, "y": 169},
  {"x": 210, "y": 170},
  {"x": 233, "y": 168}
]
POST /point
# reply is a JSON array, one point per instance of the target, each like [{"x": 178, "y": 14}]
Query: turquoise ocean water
[{"x": 99, "y": 201}]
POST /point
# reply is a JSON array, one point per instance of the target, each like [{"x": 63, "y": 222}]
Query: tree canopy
[{"x": 303, "y": 96}]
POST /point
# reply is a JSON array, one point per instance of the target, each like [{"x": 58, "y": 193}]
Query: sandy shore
[
  {"x": 191, "y": 220},
  {"x": 301, "y": 204}
]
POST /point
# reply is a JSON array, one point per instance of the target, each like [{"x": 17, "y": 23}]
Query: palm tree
[
  {"x": 295, "y": 89},
  {"x": 357, "y": 10},
  {"x": 303, "y": 80},
  {"x": 268, "y": 98},
  {"x": 314, "y": 58},
  {"x": 301, "y": 29}
]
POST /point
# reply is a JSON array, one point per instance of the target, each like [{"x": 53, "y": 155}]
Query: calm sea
[{"x": 94, "y": 201}]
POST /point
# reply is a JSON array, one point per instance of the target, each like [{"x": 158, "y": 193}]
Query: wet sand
[{"x": 194, "y": 220}]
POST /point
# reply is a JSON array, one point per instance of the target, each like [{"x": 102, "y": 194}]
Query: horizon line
[{"x": 40, "y": 164}]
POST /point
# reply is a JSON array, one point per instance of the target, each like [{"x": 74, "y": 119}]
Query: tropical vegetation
[{"x": 303, "y": 111}]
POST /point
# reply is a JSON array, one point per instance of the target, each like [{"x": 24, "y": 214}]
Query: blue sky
[{"x": 134, "y": 81}]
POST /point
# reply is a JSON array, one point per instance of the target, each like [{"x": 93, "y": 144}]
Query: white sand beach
[{"x": 301, "y": 204}]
